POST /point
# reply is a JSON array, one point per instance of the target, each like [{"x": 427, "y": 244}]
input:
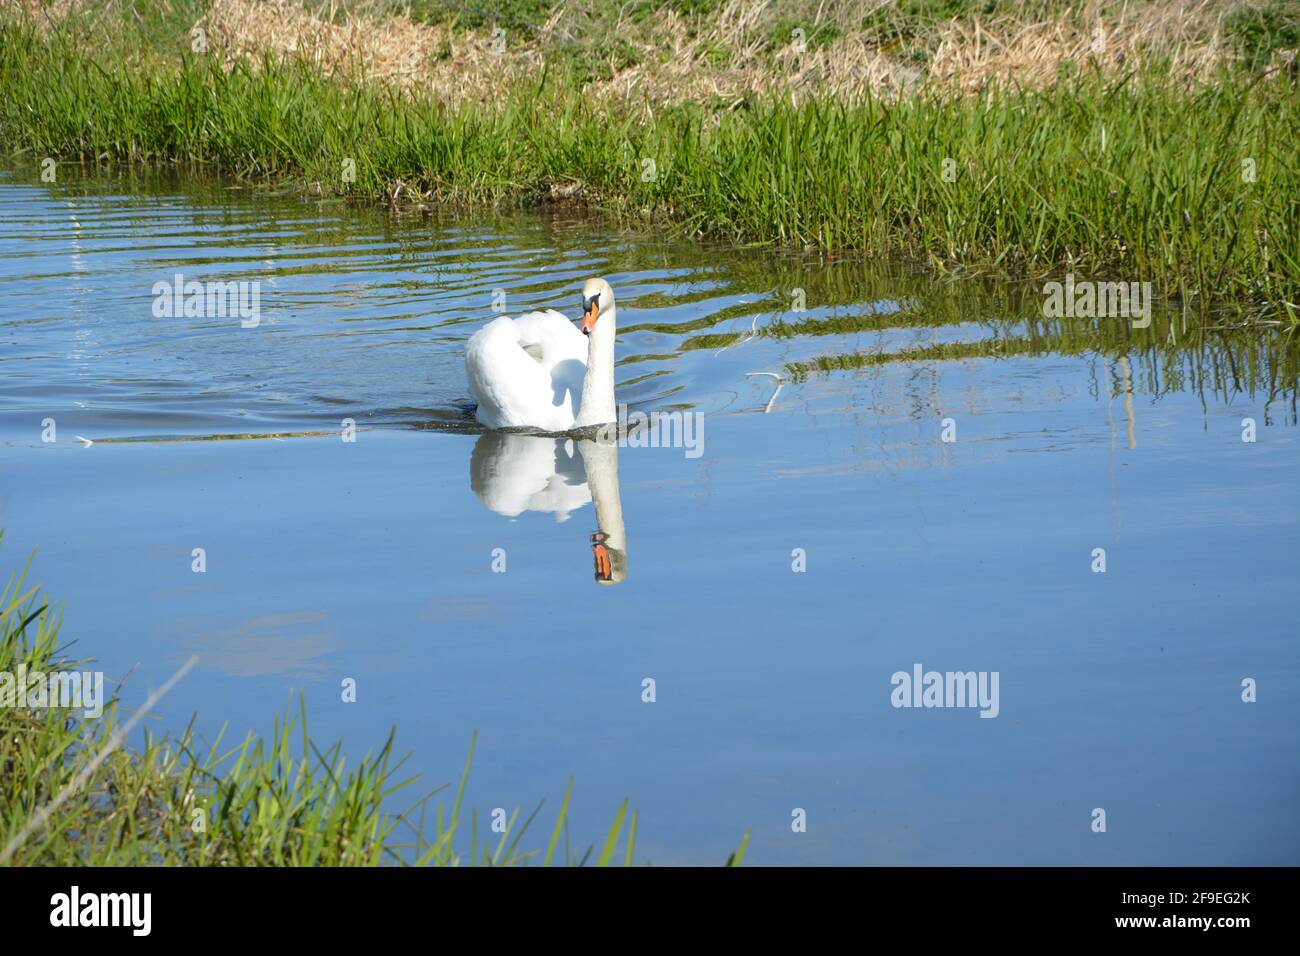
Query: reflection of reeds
[
  {"x": 1191, "y": 350},
  {"x": 1166, "y": 357}
]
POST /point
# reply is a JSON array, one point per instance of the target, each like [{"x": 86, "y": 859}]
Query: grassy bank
[
  {"x": 1138, "y": 174},
  {"x": 72, "y": 792}
]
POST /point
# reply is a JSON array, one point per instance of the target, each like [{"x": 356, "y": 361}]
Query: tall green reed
[{"x": 1137, "y": 178}]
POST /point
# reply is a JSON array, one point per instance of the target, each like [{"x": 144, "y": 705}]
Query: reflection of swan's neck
[
  {"x": 597, "y": 407},
  {"x": 601, "y": 461}
]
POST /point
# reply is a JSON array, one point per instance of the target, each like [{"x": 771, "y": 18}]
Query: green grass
[
  {"x": 69, "y": 796},
  {"x": 1192, "y": 189},
  {"x": 1258, "y": 31},
  {"x": 468, "y": 14}
]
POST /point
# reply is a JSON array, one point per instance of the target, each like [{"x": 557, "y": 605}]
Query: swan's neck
[{"x": 597, "y": 407}]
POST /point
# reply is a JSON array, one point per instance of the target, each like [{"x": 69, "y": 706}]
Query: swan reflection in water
[{"x": 514, "y": 473}]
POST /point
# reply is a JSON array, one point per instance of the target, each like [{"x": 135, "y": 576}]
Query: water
[{"x": 373, "y": 559}]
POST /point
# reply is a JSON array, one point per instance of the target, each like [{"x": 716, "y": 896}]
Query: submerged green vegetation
[
  {"x": 75, "y": 789},
  {"x": 1143, "y": 175}
]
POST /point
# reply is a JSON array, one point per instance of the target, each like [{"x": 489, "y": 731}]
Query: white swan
[{"x": 540, "y": 372}]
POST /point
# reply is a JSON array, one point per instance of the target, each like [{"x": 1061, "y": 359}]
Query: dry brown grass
[
  {"x": 731, "y": 60},
  {"x": 1182, "y": 34},
  {"x": 728, "y": 57},
  {"x": 394, "y": 50},
  {"x": 722, "y": 59},
  {"x": 44, "y": 14}
]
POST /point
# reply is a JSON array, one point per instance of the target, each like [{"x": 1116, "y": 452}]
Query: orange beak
[{"x": 589, "y": 318}]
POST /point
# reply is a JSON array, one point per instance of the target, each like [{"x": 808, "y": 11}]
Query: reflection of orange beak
[
  {"x": 589, "y": 319},
  {"x": 604, "y": 570}
]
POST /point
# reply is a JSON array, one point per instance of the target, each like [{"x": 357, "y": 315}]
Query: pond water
[{"x": 904, "y": 473}]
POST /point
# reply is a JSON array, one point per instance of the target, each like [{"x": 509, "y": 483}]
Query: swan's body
[{"x": 540, "y": 372}]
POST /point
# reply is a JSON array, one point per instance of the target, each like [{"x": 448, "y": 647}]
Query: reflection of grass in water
[
  {"x": 781, "y": 329},
  {"x": 939, "y": 352},
  {"x": 280, "y": 802},
  {"x": 1168, "y": 357},
  {"x": 1201, "y": 350}
]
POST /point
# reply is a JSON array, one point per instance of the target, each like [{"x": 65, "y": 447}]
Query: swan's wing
[
  {"x": 551, "y": 338},
  {"x": 515, "y": 390},
  {"x": 561, "y": 349}
]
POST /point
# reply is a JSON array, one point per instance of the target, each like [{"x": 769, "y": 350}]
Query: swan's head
[{"x": 597, "y": 299}]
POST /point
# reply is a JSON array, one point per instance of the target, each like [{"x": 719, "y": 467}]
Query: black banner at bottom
[{"x": 334, "y": 906}]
